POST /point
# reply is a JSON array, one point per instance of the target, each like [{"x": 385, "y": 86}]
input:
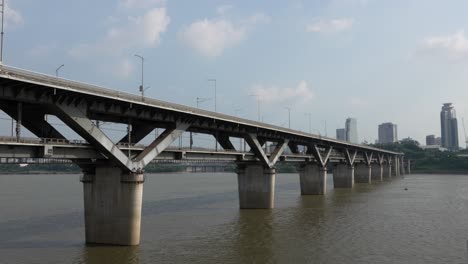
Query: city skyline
[{"x": 247, "y": 48}]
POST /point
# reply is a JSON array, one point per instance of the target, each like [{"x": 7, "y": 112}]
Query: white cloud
[
  {"x": 140, "y": 3},
  {"x": 333, "y": 25},
  {"x": 13, "y": 18},
  {"x": 222, "y": 10},
  {"x": 138, "y": 32},
  {"x": 301, "y": 93},
  {"x": 356, "y": 101},
  {"x": 124, "y": 69},
  {"x": 454, "y": 47},
  {"x": 42, "y": 51},
  {"x": 211, "y": 37}
]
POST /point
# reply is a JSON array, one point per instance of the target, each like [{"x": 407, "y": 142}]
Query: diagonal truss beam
[
  {"x": 322, "y": 161},
  {"x": 160, "y": 144},
  {"x": 380, "y": 158},
  {"x": 279, "y": 149},
  {"x": 76, "y": 119},
  {"x": 223, "y": 140},
  {"x": 35, "y": 121},
  {"x": 293, "y": 147},
  {"x": 256, "y": 147},
  {"x": 368, "y": 157},
  {"x": 139, "y": 131},
  {"x": 388, "y": 159},
  {"x": 350, "y": 157}
]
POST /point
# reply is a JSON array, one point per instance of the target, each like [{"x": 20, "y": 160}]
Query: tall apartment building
[
  {"x": 449, "y": 127},
  {"x": 351, "y": 130},
  {"x": 388, "y": 133},
  {"x": 341, "y": 134},
  {"x": 430, "y": 140}
]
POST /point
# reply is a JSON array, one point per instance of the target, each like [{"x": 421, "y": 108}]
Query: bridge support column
[
  {"x": 313, "y": 179},
  {"x": 362, "y": 173},
  {"x": 112, "y": 201},
  {"x": 387, "y": 170},
  {"x": 377, "y": 172},
  {"x": 402, "y": 167},
  {"x": 396, "y": 167},
  {"x": 343, "y": 176},
  {"x": 256, "y": 184},
  {"x": 408, "y": 167}
]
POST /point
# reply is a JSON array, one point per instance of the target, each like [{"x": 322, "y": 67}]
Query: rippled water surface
[{"x": 194, "y": 218}]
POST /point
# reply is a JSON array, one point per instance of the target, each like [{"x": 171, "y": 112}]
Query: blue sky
[{"x": 377, "y": 61}]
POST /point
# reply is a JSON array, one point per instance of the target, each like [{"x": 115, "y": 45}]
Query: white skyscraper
[{"x": 351, "y": 130}]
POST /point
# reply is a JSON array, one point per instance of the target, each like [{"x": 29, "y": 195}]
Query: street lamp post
[
  {"x": 310, "y": 122},
  {"x": 214, "y": 80},
  {"x": 142, "y": 89},
  {"x": 258, "y": 104},
  {"x": 240, "y": 139},
  {"x": 325, "y": 127},
  {"x": 1, "y": 38},
  {"x": 289, "y": 116},
  {"x": 199, "y": 100},
  {"x": 57, "y": 70}
]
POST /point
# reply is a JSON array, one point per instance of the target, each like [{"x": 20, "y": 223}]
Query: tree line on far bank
[{"x": 429, "y": 160}]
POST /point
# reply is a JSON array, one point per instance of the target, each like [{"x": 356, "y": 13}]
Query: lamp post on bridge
[
  {"x": 2, "y": 33},
  {"x": 57, "y": 70},
  {"x": 310, "y": 122},
  {"x": 258, "y": 104},
  {"x": 214, "y": 81},
  {"x": 289, "y": 116},
  {"x": 141, "y": 88},
  {"x": 240, "y": 139},
  {"x": 198, "y": 100}
]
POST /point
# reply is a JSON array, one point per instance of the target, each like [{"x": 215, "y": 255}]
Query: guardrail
[{"x": 132, "y": 98}]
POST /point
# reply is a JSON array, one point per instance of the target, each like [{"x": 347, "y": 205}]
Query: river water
[{"x": 194, "y": 218}]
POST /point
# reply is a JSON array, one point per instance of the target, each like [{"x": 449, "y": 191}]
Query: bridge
[{"x": 113, "y": 170}]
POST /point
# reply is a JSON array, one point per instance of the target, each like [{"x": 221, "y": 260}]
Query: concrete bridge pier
[
  {"x": 402, "y": 167},
  {"x": 256, "y": 184},
  {"x": 313, "y": 179},
  {"x": 112, "y": 203},
  {"x": 387, "y": 170},
  {"x": 408, "y": 167},
  {"x": 362, "y": 173},
  {"x": 377, "y": 172},
  {"x": 343, "y": 176},
  {"x": 396, "y": 167}
]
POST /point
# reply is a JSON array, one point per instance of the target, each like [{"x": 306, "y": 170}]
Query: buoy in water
[{"x": 406, "y": 189}]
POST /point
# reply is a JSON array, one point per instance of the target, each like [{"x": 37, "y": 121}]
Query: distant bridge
[{"x": 113, "y": 171}]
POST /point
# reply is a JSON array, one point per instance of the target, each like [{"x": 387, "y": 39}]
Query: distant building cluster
[
  {"x": 349, "y": 133},
  {"x": 388, "y": 132},
  {"x": 448, "y": 131}
]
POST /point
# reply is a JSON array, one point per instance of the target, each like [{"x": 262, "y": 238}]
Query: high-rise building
[
  {"x": 449, "y": 127},
  {"x": 430, "y": 140},
  {"x": 438, "y": 141},
  {"x": 351, "y": 130},
  {"x": 341, "y": 134},
  {"x": 388, "y": 133}
]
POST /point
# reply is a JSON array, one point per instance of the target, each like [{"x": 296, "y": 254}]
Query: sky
[{"x": 377, "y": 61}]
